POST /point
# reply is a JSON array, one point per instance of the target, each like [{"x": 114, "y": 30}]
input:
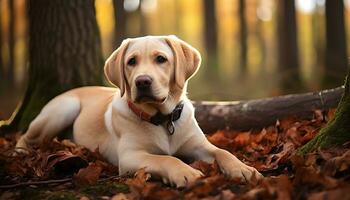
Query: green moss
[
  {"x": 65, "y": 195},
  {"x": 337, "y": 131},
  {"x": 107, "y": 188}
]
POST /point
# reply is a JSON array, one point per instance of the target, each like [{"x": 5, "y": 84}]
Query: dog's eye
[
  {"x": 132, "y": 61},
  {"x": 161, "y": 59}
]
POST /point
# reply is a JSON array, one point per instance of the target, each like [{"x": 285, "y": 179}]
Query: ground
[{"x": 63, "y": 170}]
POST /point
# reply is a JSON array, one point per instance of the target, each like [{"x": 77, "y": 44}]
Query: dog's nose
[{"x": 143, "y": 81}]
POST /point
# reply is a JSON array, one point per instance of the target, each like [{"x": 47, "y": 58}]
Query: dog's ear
[
  {"x": 187, "y": 59},
  {"x": 114, "y": 67}
]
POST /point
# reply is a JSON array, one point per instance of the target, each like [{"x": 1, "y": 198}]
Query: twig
[
  {"x": 48, "y": 182},
  {"x": 108, "y": 178},
  {"x": 35, "y": 183}
]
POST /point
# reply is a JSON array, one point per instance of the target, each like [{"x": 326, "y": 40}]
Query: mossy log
[{"x": 337, "y": 130}]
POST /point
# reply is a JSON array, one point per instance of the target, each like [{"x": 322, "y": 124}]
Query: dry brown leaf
[
  {"x": 274, "y": 160},
  {"x": 63, "y": 162},
  {"x": 336, "y": 194},
  {"x": 242, "y": 139},
  {"x": 206, "y": 186},
  {"x": 206, "y": 168},
  {"x": 220, "y": 140},
  {"x": 337, "y": 164},
  {"x": 88, "y": 175}
]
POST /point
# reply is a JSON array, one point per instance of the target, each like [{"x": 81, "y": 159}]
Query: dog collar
[{"x": 160, "y": 118}]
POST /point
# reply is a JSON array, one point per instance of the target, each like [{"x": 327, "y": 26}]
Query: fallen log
[{"x": 253, "y": 114}]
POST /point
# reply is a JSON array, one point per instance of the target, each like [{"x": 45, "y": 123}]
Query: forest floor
[{"x": 63, "y": 170}]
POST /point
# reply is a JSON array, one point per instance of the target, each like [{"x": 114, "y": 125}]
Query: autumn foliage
[{"x": 62, "y": 170}]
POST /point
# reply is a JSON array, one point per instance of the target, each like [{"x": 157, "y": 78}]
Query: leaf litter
[{"x": 64, "y": 170}]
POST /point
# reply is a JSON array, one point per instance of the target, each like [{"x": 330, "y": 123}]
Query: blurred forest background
[{"x": 250, "y": 48}]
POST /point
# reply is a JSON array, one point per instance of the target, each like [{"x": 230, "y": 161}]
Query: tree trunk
[
  {"x": 337, "y": 130},
  {"x": 243, "y": 35},
  {"x": 11, "y": 60},
  {"x": 336, "y": 57},
  {"x": 262, "y": 44},
  {"x": 120, "y": 21},
  {"x": 211, "y": 72},
  {"x": 288, "y": 59},
  {"x": 318, "y": 38},
  {"x": 246, "y": 115},
  {"x": 210, "y": 27},
  {"x": 142, "y": 20},
  {"x": 2, "y": 70},
  {"x": 64, "y": 53}
]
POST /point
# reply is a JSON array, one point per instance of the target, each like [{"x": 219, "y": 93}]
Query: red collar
[
  {"x": 140, "y": 113},
  {"x": 160, "y": 118}
]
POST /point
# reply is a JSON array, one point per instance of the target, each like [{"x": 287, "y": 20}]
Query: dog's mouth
[{"x": 147, "y": 98}]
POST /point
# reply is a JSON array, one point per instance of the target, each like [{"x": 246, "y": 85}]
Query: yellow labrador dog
[{"x": 147, "y": 121}]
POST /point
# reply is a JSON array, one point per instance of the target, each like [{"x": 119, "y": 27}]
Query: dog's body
[{"x": 152, "y": 74}]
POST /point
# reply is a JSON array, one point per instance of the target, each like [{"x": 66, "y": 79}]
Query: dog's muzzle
[{"x": 144, "y": 89}]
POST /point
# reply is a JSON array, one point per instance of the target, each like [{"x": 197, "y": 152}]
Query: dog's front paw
[
  {"x": 241, "y": 171},
  {"x": 21, "y": 146},
  {"x": 236, "y": 169},
  {"x": 182, "y": 176}
]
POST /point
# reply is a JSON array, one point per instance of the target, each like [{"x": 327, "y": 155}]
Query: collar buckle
[{"x": 170, "y": 126}]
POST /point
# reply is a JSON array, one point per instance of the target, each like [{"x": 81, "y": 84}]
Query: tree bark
[
  {"x": 64, "y": 53},
  {"x": 288, "y": 59},
  {"x": 11, "y": 60},
  {"x": 318, "y": 38},
  {"x": 336, "y": 56},
  {"x": 210, "y": 26},
  {"x": 246, "y": 115},
  {"x": 2, "y": 70},
  {"x": 243, "y": 35},
  {"x": 337, "y": 130},
  {"x": 120, "y": 21}
]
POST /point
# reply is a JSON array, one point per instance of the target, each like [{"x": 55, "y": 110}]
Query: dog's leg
[
  {"x": 171, "y": 169},
  {"x": 200, "y": 148},
  {"x": 57, "y": 115}
]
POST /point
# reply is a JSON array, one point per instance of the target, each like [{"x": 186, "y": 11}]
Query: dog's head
[{"x": 148, "y": 69}]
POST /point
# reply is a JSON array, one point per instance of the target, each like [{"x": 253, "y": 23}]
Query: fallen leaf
[
  {"x": 274, "y": 160},
  {"x": 88, "y": 175},
  {"x": 63, "y": 162},
  {"x": 242, "y": 139},
  {"x": 336, "y": 194},
  {"x": 220, "y": 140}
]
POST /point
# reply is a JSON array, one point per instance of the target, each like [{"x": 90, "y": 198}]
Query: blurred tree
[
  {"x": 259, "y": 32},
  {"x": 120, "y": 21},
  {"x": 337, "y": 130},
  {"x": 64, "y": 53},
  {"x": 210, "y": 28},
  {"x": 142, "y": 21},
  {"x": 2, "y": 70},
  {"x": 288, "y": 59},
  {"x": 243, "y": 34},
  {"x": 318, "y": 37},
  {"x": 12, "y": 31},
  {"x": 336, "y": 59}
]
